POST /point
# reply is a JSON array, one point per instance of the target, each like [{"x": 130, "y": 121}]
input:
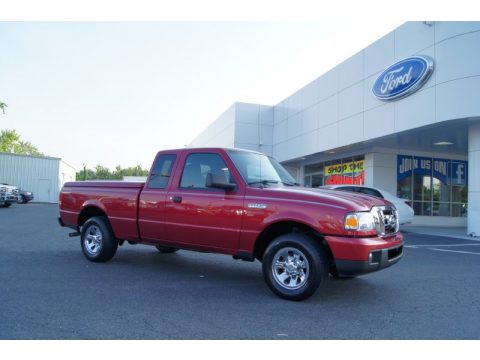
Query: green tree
[
  {"x": 103, "y": 173},
  {"x": 90, "y": 175},
  {"x": 10, "y": 141},
  {"x": 3, "y": 106}
]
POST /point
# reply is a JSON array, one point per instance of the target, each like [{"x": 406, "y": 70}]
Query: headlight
[
  {"x": 360, "y": 221},
  {"x": 381, "y": 219}
]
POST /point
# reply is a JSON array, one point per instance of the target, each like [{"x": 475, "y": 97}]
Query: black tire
[
  {"x": 97, "y": 240},
  {"x": 301, "y": 266},
  {"x": 166, "y": 249},
  {"x": 7, "y": 205}
]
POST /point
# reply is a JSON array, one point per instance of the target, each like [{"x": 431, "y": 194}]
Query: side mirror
[{"x": 218, "y": 181}]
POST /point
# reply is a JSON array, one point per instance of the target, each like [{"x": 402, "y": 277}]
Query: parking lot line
[
  {"x": 448, "y": 245},
  {"x": 454, "y": 251}
]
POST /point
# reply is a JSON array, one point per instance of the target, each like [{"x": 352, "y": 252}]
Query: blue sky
[{"x": 114, "y": 93}]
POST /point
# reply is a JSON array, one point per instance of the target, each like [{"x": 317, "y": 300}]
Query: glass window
[
  {"x": 256, "y": 168},
  {"x": 404, "y": 188},
  {"x": 197, "y": 166},
  {"x": 308, "y": 181},
  {"x": 438, "y": 186},
  {"x": 317, "y": 180},
  {"x": 441, "y": 209},
  {"x": 313, "y": 169},
  {"x": 161, "y": 172},
  {"x": 441, "y": 191},
  {"x": 459, "y": 194}
]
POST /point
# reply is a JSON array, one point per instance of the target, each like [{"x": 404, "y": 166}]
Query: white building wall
[
  {"x": 254, "y": 127},
  {"x": 380, "y": 171},
  {"x": 220, "y": 133},
  {"x": 338, "y": 109},
  {"x": 66, "y": 173},
  {"x": 473, "y": 182},
  {"x": 244, "y": 126}
]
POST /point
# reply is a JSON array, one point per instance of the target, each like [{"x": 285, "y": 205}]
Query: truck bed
[{"x": 118, "y": 199}]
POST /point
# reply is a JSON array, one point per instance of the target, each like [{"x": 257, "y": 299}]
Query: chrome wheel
[
  {"x": 93, "y": 240},
  {"x": 290, "y": 268}
]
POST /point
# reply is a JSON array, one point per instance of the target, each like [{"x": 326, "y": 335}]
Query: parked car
[
  {"x": 25, "y": 196},
  {"x": 239, "y": 203},
  {"x": 405, "y": 211},
  {"x": 8, "y": 195}
]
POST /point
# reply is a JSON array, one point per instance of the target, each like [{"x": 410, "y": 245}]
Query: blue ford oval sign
[{"x": 403, "y": 78}]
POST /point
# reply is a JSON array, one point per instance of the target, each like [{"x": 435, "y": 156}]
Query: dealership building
[{"x": 403, "y": 115}]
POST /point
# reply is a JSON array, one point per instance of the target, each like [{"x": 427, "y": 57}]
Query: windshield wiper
[{"x": 266, "y": 182}]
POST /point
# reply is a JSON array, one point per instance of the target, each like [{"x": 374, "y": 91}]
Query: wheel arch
[
  {"x": 90, "y": 211},
  {"x": 274, "y": 230}
]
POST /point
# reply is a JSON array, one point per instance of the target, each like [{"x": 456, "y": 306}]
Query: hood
[{"x": 349, "y": 201}]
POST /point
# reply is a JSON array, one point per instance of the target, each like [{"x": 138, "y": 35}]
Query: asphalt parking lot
[{"x": 48, "y": 290}]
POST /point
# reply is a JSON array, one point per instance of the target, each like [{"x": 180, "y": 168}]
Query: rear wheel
[
  {"x": 97, "y": 240},
  {"x": 166, "y": 249},
  {"x": 294, "y": 266}
]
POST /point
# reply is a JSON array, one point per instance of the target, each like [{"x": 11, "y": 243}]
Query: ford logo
[{"x": 403, "y": 78}]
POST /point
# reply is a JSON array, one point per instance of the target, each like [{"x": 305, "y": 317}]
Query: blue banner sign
[
  {"x": 449, "y": 172},
  {"x": 459, "y": 173},
  {"x": 403, "y": 78}
]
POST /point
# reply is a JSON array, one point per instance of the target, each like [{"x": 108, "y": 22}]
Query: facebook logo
[{"x": 459, "y": 173}]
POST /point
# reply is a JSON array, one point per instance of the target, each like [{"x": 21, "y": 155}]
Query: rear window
[{"x": 161, "y": 171}]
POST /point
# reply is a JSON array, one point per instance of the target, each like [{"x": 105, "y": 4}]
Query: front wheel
[
  {"x": 97, "y": 240},
  {"x": 294, "y": 266}
]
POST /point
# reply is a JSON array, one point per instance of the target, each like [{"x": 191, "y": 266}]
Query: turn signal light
[{"x": 351, "y": 222}]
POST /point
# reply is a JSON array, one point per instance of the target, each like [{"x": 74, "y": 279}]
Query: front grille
[
  {"x": 390, "y": 220},
  {"x": 386, "y": 220},
  {"x": 395, "y": 253}
]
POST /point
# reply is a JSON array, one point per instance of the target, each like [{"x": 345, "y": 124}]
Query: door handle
[{"x": 176, "y": 199}]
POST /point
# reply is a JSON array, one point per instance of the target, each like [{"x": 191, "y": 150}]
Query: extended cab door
[
  {"x": 203, "y": 217},
  {"x": 151, "y": 209}
]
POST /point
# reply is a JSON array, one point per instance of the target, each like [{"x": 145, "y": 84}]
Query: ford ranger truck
[{"x": 239, "y": 203}]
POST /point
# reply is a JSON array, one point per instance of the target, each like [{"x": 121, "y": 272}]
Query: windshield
[{"x": 260, "y": 169}]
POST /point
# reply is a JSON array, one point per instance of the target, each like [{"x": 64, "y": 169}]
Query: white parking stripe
[
  {"x": 453, "y": 251},
  {"x": 450, "y": 245}
]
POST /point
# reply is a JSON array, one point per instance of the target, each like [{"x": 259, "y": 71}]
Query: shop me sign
[
  {"x": 450, "y": 172},
  {"x": 346, "y": 173},
  {"x": 403, "y": 78}
]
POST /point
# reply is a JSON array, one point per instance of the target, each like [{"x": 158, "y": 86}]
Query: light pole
[{"x": 84, "y": 172}]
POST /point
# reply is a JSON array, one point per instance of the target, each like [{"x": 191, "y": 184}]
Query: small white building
[{"x": 43, "y": 175}]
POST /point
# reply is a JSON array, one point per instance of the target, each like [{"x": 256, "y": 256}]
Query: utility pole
[{"x": 84, "y": 172}]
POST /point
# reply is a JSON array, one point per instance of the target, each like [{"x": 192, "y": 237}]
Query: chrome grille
[{"x": 386, "y": 220}]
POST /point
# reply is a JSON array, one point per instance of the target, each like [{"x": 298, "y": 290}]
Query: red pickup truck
[{"x": 240, "y": 203}]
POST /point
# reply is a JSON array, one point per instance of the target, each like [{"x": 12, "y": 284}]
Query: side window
[
  {"x": 346, "y": 188},
  {"x": 371, "y": 192},
  {"x": 161, "y": 172},
  {"x": 197, "y": 166}
]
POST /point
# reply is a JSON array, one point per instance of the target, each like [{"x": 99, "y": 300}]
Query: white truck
[{"x": 8, "y": 195}]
